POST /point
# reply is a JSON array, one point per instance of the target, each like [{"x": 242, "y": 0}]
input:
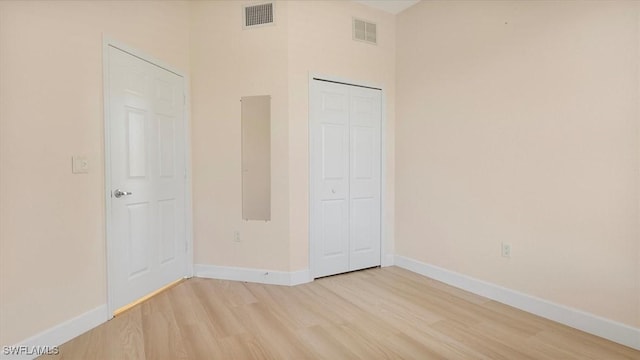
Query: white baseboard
[
  {"x": 605, "y": 328},
  {"x": 593, "y": 324},
  {"x": 253, "y": 275},
  {"x": 388, "y": 260},
  {"x": 60, "y": 333}
]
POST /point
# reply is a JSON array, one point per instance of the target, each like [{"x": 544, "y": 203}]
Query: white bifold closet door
[{"x": 345, "y": 162}]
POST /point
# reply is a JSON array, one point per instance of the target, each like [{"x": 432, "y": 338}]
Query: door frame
[
  {"x": 386, "y": 242},
  {"x": 106, "y": 43}
]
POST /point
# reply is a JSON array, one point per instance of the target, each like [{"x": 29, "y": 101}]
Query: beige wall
[
  {"x": 320, "y": 42},
  {"x": 227, "y": 63},
  {"x": 52, "y": 245},
  {"x": 525, "y": 132},
  {"x": 51, "y": 109},
  {"x": 518, "y": 122}
]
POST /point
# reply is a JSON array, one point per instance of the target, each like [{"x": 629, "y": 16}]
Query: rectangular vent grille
[
  {"x": 257, "y": 15},
  {"x": 364, "y": 31}
]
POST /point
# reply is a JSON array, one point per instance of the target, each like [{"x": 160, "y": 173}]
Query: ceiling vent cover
[
  {"x": 364, "y": 31},
  {"x": 258, "y": 15}
]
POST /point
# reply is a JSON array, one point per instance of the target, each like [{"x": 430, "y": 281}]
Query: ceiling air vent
[
  {"x": 258, "y": 15},
  {"x": 364, "y": 31}
]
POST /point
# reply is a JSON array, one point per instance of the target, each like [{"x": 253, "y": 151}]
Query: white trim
[
  {"x": 310, "y": 185},
  {"x": 388, "y": 260},
  {"x": 272, "y": 277},
  {"x": 386, "y": 254},
  {"x": 107, "y": 168},
  {"x": 592, "y": 324},
  {"x": 300, "y": 277},
  {"x": 65, "y": 331},
  {"x": 106, "y": 43},
  {"x": 386, "y": 243},
  {"x": 188, "y": 196}
]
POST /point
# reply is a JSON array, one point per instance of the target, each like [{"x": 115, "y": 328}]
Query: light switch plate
[{"x": 80, "y": 165}]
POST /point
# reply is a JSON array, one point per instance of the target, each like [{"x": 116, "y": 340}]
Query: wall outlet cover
[{"x": 80, "y": 165}]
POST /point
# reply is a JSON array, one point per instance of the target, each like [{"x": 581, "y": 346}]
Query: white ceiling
[{"x": 392, "y": 6}]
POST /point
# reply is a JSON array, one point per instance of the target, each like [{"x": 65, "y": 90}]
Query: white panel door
[
  {"x": 345, "y": 151},
  {"x": 147, "y": 234},
  {"x": 329, "y": 108},
  {"x": 365, "y": 115}
]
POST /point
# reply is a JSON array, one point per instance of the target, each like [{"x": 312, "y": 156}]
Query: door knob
[{"x": 119, "y": 193}]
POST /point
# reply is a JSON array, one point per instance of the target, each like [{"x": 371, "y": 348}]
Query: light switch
[{"x": 80, "y": 165}]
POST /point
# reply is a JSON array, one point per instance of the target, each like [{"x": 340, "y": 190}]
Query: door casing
[
  {"x": 386, "y": 241},
  {"x": 107, "y": 160}
]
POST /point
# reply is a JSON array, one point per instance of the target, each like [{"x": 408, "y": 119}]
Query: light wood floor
[{"x": 371, "y": 314}]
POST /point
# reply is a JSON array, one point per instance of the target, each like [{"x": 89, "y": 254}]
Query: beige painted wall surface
[
  {"x": 518, "y": 122},
  {"x": 320, "y": 42},
  {"x": 52, "y": 245},
  {"x": 227, "y": 63}
]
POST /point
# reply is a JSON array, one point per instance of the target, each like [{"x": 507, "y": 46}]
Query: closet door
[
  {"x": 344, "y": 131},
  {"x": 329, "y": 142},
  {"x": 364, "y": 175}
]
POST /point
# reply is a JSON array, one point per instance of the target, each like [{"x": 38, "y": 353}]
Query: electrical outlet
[
  {"x": 236, "y": 236},
  {"x": 79, "y": 165},
  {"x": 506, "y": 250}
]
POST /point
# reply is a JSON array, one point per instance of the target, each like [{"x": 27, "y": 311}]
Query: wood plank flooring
[{"x": 387, "y": 313}]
